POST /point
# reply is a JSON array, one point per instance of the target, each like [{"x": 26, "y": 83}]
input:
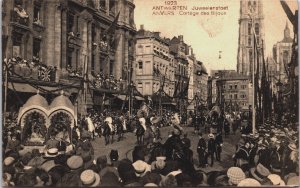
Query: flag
[
  {"x": 112, "y": 28},
  {"x": 176, "y": 88},
  {"x": 184, "y": 92}
]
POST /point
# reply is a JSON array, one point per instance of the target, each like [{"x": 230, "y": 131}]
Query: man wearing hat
[
  {"x": 89, "y": 178},
  {"x": 211, "y": 148},
  {"x": 275, "y": 159},
  {"x": 141, "y": 168},
  {"x": 259, "y": 173},
  {"x": 242, "y": 156},
  {"x": 201, "y": 149},
  {"x": 52, "y": 142},
  {"x": 72, "y": 178},
  {"x": 235, "y": 175},
  {"x": 127, "y": 173}
]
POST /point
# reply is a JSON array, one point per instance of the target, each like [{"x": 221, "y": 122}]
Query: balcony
[
  {"x": 109, "y": 83},
  {"x": 33, "y": 70},
  {"x": 74, "y": 40},
  {"x": 19, "y": 16}
]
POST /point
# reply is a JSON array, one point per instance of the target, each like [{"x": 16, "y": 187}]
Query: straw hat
[
  {"x": 141, "y": 168},
  {"x": 52, "y": 152},
  {"x": 90, "y": 178},
  {"x": 260, "y": 172},
  {"x": 249, "y": 182},
  {"x": 75, "y": 162},
  {"x": 276, "y": 179},
  {"x": 8, "y": 161},
  {"x": 292, "y": 146},
  {"x": 295, "y": 180},
  {"x": 235, "y": 175}
]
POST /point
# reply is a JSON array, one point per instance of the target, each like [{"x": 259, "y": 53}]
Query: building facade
[
  {"x": 230, "y": 90},
  {"x": 180, "y": 51},
  {"x": 155, "y": 66},
  {"x": 58, "y": 44},
  {"x": 250, "y": 24}
]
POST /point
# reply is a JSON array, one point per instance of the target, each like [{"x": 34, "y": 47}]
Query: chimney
[
  {"x": 142, "y": 27},
  {"x": 180, "y": 37}
]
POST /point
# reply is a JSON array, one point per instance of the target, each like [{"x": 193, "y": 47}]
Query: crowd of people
[{"x": 269, "y": 157}]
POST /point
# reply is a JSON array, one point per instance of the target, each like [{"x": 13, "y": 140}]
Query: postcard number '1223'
[{"x": 170, "y": 2}]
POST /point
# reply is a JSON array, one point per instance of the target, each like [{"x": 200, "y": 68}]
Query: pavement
[{"x": 126, "y": 145}]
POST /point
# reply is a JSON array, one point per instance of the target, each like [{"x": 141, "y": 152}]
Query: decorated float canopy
[{"x": 39, "y": 104}]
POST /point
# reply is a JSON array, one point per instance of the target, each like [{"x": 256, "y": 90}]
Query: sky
[{"x": 210, "y": 34}]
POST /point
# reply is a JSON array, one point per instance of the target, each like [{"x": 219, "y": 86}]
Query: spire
[{"x": 287, "y": 31}]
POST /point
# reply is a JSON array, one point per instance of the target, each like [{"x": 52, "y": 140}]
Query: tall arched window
[
  {"x": 256, "y": 28},
  {"x": 249, "y": 41},
  {"x": 249, "y": 28}
]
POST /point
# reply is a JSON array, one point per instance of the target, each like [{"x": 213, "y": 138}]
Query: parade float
[{"x": 37, "y": 120}]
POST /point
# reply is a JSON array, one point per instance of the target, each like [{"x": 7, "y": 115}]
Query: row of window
[
  {"x": 19, "y": 47},
  {"x": 235, "y": 96},
  {"x": 256, "y": 28},
  {"x": 236, "y": 103},
  {"x": 145, "y": 88},
  {"x": 250, "y": 41},
  {"x": 234, "y": 86}
]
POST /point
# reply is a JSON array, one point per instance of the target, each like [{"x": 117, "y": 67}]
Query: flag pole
[
  {"x": 253, "y": 78},
  {"x": 5, "y": 93}
]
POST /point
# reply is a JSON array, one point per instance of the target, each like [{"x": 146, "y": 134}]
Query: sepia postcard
[{"x": 159, "y": 93}]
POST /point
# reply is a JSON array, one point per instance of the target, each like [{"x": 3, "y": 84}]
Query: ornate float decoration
[{"x": 38, "y": 119}]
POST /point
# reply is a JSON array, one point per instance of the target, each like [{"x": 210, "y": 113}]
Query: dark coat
[
  {"x": 138, "y": 153},
  {"x": 226, "y": 126},
  {"x": 219, "y": 139},
  {"x": 242, "y": 153},
  {"x": 211, "y": 146},
  {"x": 140, "y": 130},
  {"x": 119, "y": 125},
  {"x": 157, "y": 150},
  {"x": 264, "y": 157},
  {"x": 173, "y": 145},
  {"x": 106, "y": 129},
  {"x": 275, "y": 159},
  {"x": 201, "y": 145},
  {"x": 71, "y": 179}
]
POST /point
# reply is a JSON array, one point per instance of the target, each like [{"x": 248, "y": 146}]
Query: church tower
[{"x": 251, "y": 20}]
